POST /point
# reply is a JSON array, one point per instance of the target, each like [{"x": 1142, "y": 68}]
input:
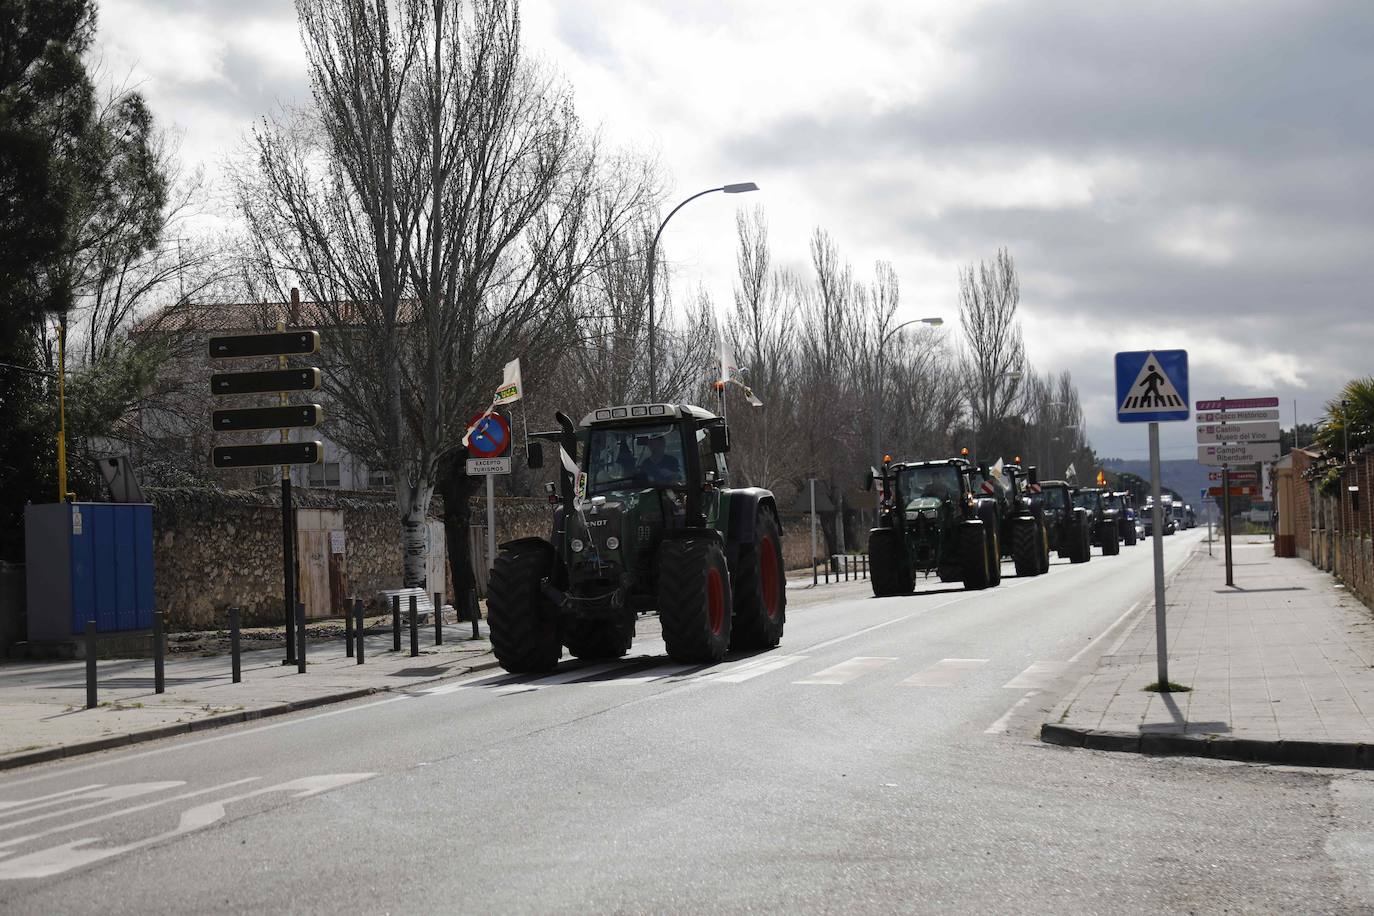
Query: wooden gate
[{"x": 323, "y": 581}]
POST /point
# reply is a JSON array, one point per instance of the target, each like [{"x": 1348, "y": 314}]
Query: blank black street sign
[
  {"x": 266, "y": 381},
  {"x": 295, "y": 416},
  {"x": 266, "y": 455},
  {"x": 277, "y": 343}
]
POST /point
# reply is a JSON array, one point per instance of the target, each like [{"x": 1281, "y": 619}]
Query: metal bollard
[
  {"x": 235, "y": 656},
  {"x": 159, "y": 648},
  {"x": 395, "y": 623},
  {"x": 414, "y": 626},
  {"x": 358, "y": 627},
  {"x": 476, "y": 615},
  {"x": 827, "y": 569},
  {"x": 348, "y": 629},
  {"x": 438, "y": 618},
  {"x": 846, "y": 567},
  {"x": 90, "y": 665},
  {"x": 300, "y": 637}
]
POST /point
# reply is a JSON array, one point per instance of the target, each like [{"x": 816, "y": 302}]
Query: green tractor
[
  {"x": 1068, "y": 527},
  {"x": 1028, "y": 539},
  {"x": 930, "y": 520},
  {"x": 646, "y": 521}
]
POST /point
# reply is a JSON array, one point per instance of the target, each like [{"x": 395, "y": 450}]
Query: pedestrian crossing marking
[
  {"x": 944, "y": 673},
  {"x": 562, "y": 677},
  {"x": 656, "y": 673},
  {"x": 845, "y": 672},
  {"x": 1037, "y": 676},
  {"x": 1152, "y": 391},
  {"x": 751, "y": 670}
]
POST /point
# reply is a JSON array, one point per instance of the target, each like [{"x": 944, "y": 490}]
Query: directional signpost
[
  {"x": 489, "y": 453},
  {"x": 284, "y": 417},
  {"x": 1246, "y": 431},
  {"x": 1152, "y": 387}
]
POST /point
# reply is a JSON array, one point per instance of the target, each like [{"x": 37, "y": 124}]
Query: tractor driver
[{"x": 660, "y": 468}]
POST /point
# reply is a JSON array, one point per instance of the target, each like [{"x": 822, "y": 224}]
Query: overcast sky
[{"x": 1188, "y": 175}]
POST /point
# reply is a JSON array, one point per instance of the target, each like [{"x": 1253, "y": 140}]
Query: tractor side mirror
[
  {"x": 868, "y": 479},
  {"x": 534, "y": 455},
  {"x": 720, "y": 439},
  {"x": 1032, "y": 474}
]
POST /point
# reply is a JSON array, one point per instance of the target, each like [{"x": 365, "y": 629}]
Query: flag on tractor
[{"x": 511, "y": 388}]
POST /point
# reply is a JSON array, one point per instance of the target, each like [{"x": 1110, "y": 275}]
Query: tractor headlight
[
  {"x": 576, "y": 545},
  {"x": 612, "y": 542}
]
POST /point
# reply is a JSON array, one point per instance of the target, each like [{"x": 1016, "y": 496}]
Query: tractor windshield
[
  {"x": 1088, "y": 499},
  {"x": 938, "y": 480},
  {"x": 621, "y": 458},
  {"x": 1053, "y": 498}
]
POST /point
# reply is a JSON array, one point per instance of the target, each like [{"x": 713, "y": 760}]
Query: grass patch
[{"x": 1167, "y": 687}]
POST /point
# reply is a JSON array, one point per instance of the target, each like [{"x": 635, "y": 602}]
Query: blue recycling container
[{"x": 88, "y": 561}]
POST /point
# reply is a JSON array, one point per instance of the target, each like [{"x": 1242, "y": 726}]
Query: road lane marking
[
  {"x": 656, "y": 673},
  {"x": 1037, "y": 676},
  {"x": 750, "y": 670},
  {"x": 1003, "y": 724},
  {"x": 122, "y": 812},
  {"x": 562, "y": 677},
  {"x": 847, "y": 671},
  {"x": 944, "y": 673},
  {"x": 95, "y": 799},
  {"x": 29, "y": 804}
]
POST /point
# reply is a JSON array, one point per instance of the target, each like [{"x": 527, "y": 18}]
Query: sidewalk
[
  {"x": 1281, "y": 669},
  {"x": 43, "y": 704}
]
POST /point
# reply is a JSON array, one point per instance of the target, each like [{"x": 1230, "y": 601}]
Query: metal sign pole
[
  {"x": 1157, "y": 535},
  {"x": 813, "y": 531},
  {"x": 1226, "y": 519}
]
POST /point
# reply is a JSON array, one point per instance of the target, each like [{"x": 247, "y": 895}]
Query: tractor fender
[
  {"x": 744, "y": 511},
  {"x": 678, "y": 534},
  {"x": 560, "y": 571},
  {"x": 526, "y": 541}
]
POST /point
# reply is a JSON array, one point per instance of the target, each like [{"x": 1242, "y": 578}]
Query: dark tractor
[
  {"x": 1104, "y": 519},
  {"x": 647, "y": 521},
  {"x": 930, "y": 520},
  {"x": 1069, "y": 527},
  {"x": 1125, "y": 516},
  {"x": 1028, "y": 536}
]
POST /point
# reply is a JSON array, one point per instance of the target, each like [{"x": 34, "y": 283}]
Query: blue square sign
[{"x": 1151, "y": 386}]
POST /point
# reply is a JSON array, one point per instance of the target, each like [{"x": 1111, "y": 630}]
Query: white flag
[
  {"x": 511, "y": 388},
  {"x": 996, "y": 469},
  {"x": 1069, "y": 472},
  {"x": 727, "y": 358}
]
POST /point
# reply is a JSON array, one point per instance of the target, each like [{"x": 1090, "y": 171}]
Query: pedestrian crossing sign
[{"x": 1151, "y": 386}]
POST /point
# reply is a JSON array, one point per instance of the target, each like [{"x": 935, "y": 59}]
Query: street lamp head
[
  {"x": 740, "y": 188},
  {"x": 933, "y": 322}
]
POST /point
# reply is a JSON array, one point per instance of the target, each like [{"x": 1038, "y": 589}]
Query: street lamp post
[
  {"x": 737, "y": 188},
  {"x": 878, "y": 380}
]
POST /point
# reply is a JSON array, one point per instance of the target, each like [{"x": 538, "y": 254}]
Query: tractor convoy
[{"x": 644, "y": 519}]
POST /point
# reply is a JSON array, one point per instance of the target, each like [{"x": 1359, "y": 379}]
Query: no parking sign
[{"x": 489, "y": 444}]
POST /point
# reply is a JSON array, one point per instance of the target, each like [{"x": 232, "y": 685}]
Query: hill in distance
[{"x": 1184, "y": 476}]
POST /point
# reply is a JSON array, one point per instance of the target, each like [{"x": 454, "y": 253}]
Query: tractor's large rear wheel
[
  {"x": 890, "y": 574},
  {"x": 694, "y": 606},
  {"x": 994, "y": 556},
  {"x": 1042, "y": 533},
  {"x": 760, "y": 588},
  {"x": 973, "y": 554},
  {"x": 523, "y": 623},
  {"x": 1111, "y": 546},
  {"x": 1027, "y": 547},
  {"x": 1081, "y": 535},
  {"x": 597, "y": 638}
]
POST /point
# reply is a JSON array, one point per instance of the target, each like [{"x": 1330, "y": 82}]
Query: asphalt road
[{"x": 883, "y": 759}]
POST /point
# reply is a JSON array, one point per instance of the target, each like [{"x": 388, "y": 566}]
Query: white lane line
[
  {"x": 563, "y": 677},
  {"x": 1001, "y": 726},
  {"x": 886, "y": 623},
  {"x": 656, "y": 673},
  {"x": 847, "y": 671},
  {"x": 944, "y": 673},
  {"x": 44, "y": 800},
  {"x": 1038, "y": 675},
  {"x": 750, "y": 670},
  {"x": 96, "y": 799},
  {"x": 124, "y": 811}
]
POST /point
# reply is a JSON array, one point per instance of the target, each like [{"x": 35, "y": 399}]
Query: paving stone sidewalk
[
  {"x": 1281, "y": 669},
  {"x": 43, "y": 712}
]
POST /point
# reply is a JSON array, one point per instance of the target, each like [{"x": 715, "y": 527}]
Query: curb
[
  {"x": 1339, "y": 754},
  {"x": 81, "y": 748}
]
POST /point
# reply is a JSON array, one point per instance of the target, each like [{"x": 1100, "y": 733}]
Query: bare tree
[{"x": 995, "y": 355}]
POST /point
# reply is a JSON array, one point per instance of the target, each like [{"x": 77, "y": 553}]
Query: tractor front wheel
[
  {"x": 694, "y": 606},
  {"x": 760, "y": 588},
  {"x": 890, "y": 574},
  {"x": 973, "y": 550},
  {"x": 523, "y": 623},
  {"x": 1027, "y": 547},
  {"x": 1111, "y": 546}
]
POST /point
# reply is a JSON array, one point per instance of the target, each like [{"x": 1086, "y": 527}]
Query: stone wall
[{"x": 213, "y": 549}]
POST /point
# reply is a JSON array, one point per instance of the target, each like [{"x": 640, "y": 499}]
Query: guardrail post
[
  {"x": 159, "y": 648},
  {"x": 358, "y": 630},
  {"x": 300, "y": 637},
  {"x": 414, "y": 626},
  {"x": 235, "y": 659},
  {"x": 348, "y": 629},
  {"x": 395, "y": 623},
  {"x": 91, "y": 702},
  {"x": 438, "y": 618}
]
